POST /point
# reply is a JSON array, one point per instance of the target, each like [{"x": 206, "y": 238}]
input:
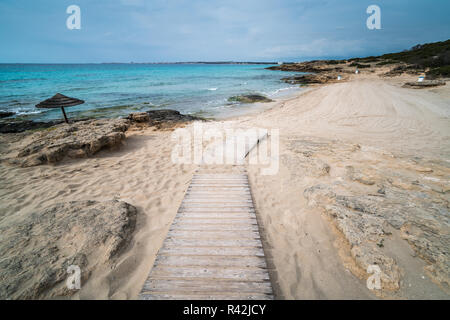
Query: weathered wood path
[{"x": 213, "y": 249}]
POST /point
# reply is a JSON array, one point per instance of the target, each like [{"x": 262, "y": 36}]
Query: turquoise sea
[{"x": 114, "y": 90}]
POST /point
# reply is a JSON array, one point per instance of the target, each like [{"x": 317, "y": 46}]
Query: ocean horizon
[{"x": 117, "y": 89}]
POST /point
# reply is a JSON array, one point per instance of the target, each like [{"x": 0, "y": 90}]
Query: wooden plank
[
  {"x": 216, "y": 215},
  {"x": 214, "y": 227},
  {"x": 219, "y": 195},
  {"x": 216, "y": 234},
  {"x": 181, "y": 242},
  {"x": 224, "y": 181},
  {"x": 217, "y": 201},
  {"x": 215, "y": 195},
  {"x": 221, "y": 176},
  {"x": 209, "y": 272},
  {"x": 217, "y": 181},
  {"x": 234, "y": 220},
  {"x": 216, "y": 205},
  {"x": 204, "y": 286},
  {"x": 217, "y": 209},
  {"x": 220, "y": 184},
  {"x": 226, "y": 177},
  {"x": 216, "y": 260},
  {"x": 230, "y": 213},
  {"x": 205, "y": 221},
  {"x": 211, "y": 296},
  {"x": 218, "y": 189},
  {"x": 218, "y": 198},
  {"x": 213, "y": 251},
  {"x": 212, "y": 192}
]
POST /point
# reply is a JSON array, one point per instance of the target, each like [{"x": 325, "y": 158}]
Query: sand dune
[{"x": 371, "y": 111}]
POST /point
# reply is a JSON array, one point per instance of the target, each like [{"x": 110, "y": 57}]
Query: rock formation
[
  {"x": 75, "y": 140},
  {"x": 369, "y": 204},
  {"x": 424, "y": 84},
  {"x": 24, "y": 125},
  {"x": 5, "y": 114},
  {"x": 249, "y": 98},
  {"x": 38, "y": 247},
  {"x": 162, "y": 119}
]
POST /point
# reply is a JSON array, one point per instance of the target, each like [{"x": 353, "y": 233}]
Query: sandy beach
[
  {"x": 383, "y": 130},
  {"x": 364, "y": 137}
]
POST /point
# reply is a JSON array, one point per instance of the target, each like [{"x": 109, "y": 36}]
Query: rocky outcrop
[
  {"x": 424, "y": 84},
  {"x": 376, "y": 202},
  {"x": 76, "y": 140},
  {"x": 38, "y": 248},
  {"x": 5, "y": 114},
  {"x": 24, "y": 125},
  {"x": 139, "y": 117},
  {"x": 169, "y": 116},
  {"x": 17, "y": 126},
  {"x": 431, "y": 58},
  {"x": 311, "y": 79},
  {"x": 54, "y": 141},
  {"x": 359, "y": 65},
  {"x": 404, "y": 68},
  {"x": 249, "y": 98},
  {"x": 316, "y": 66},
  {"x": 318, "y": 71},
  {"x": 361, "y": 227},
  {"x": 161, "y": 119}
]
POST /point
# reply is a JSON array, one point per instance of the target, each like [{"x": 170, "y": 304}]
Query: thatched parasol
[{"x": 60, "y": 101}]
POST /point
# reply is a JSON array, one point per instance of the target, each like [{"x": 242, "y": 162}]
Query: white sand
[
  {"x": 308, "y": 255},
  {"x": 372, "y": 111}
]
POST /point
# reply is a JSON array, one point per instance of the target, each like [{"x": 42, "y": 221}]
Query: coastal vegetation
[{"x": 433, "y": 59}]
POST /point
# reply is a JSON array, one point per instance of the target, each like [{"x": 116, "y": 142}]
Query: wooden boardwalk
[{"x": 213, "y": 249}]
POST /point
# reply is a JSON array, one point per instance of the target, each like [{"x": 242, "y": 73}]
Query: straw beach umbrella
[{"x": 60, "y": 101}]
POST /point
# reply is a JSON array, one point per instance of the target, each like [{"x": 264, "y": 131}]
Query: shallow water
[{"x": 117, "y": 89}]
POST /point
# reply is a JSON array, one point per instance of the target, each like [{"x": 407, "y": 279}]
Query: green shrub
[
  {"x": 359, "y": 65},
  {"x": 336, "y": 61},
  {"x": 386, "y": 62},
  {"x": 440, "y": 71},
  {"x": 427, "y": 55},
  {"x": 369, "y": 59}
]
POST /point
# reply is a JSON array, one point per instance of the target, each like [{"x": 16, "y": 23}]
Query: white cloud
[
  {"x": 134, "y": 3},
  {"x": 316, "y": 48}
]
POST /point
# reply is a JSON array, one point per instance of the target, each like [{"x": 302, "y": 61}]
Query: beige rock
[
  {"x": 79, "y": 139},
  {"x": 37, "y": 250},
  {"x": 139, "y": 117}
]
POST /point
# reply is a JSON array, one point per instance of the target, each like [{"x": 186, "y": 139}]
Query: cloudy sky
[{"x": 212, "y": 30}]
